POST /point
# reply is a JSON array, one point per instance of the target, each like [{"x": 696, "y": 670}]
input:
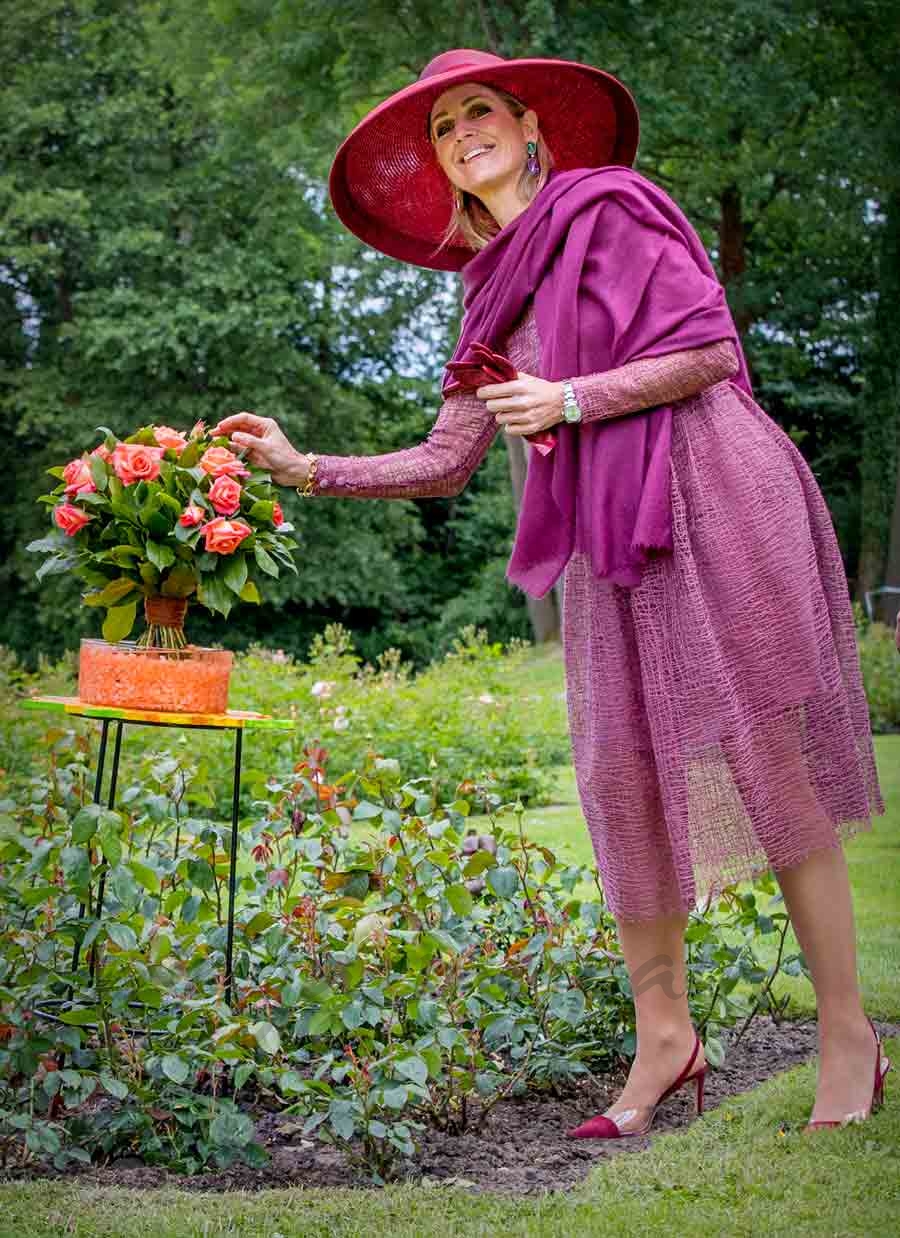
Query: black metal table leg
[
  {"x": 232, "y": 868},
  {"x": 110, "y": 803},
  {"x": 98, "y": 793}
]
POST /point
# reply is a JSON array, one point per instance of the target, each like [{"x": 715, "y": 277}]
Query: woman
[{"x": 718, "y": 721}]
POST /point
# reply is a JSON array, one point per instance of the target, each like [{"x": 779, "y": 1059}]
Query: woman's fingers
[{"x": 245, "y": 423}]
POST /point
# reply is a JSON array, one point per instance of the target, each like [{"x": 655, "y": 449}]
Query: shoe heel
[{"x": 701, "y": 1078}]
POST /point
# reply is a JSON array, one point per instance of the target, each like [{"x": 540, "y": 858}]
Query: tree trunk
[
  {"x": 543, "y": 612},
  {"x": 733, "y": 254},
  {"x": 879, "y": 556}
]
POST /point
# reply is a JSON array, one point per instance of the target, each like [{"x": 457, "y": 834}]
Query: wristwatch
[{"x": 571, "y": 411}]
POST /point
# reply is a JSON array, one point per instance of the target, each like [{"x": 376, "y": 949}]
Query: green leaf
[
  {"x": 266, "y": 1036},
  {"x": 98, "y": 472},
  {"x": 119, "y": 621},
  {"x": 160, "y": 556},
  {"x": 121, "y": 935},
  {"x": 265, "y": 561},
  {"x": 568, "y": 1006},
  {"x": 110, "y": 843},
  {"x": 250, "y": 593},
  {"x": 115, "y": 1087},
  {"x": 114, "y": 592},
  {"x": 262, "y": 511},
  {"x": 180, "y": 582},
  {"x": 80, "y": 1018},
  {"x": 85, "y": 822},
  {"x": 460, "y": 899},
  {"x": 503, "y": 881},
  {"x": 215, "y": 595},
  {"x": 55, "y": 566},
  {"x": 175, "y": 1068},
  {"x": 235, "y": 574},
  {"x": 412, "y": 1067}
]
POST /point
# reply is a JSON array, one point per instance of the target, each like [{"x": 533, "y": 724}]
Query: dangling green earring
[{"x": 532, "y": 161}]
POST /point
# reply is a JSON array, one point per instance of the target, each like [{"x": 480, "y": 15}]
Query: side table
[{"x": 234, "y": 720}]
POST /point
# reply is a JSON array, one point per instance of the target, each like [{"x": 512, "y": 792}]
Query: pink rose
[
  {"x": 78, "y": 478},
  {"x": 103, "y": 452},
  {"x": 134, "y": 462},
  {"x": 225, "y": 495},
  {"x": 222, "y": 537},
  {"x": 277, "y": 515},
  {"x": 199, "y": 429},
  {"x": 193, "y": 514},
  {"x": 169, "y": 438},
  {"x": 220, "y": 462},
  {"x": 70, "y": 519}
]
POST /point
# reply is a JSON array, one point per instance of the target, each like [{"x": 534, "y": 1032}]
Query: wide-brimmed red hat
[{"x": 386, "y": 183}]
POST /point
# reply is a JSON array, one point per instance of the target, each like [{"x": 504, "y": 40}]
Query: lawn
[{"x": 745, "y": 1168}]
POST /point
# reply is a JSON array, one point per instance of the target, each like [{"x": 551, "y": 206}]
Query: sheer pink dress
[{"x": 718, "y": 721}]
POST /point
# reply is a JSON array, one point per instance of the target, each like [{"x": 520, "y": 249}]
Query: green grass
[
  {"x": 732, "y": 1173},
  {"x": 744, "y": 1169}
]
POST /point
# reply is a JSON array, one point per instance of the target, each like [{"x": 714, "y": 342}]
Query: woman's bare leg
[
  {"x": 654, "y": 958},
  {"x": 818, "y": 898}
]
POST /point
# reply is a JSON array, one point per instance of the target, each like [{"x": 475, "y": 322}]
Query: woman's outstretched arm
[{"x": 439, "y": 466}]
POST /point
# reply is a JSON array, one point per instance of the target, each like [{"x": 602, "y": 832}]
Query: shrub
[{"x": 405, "y": 971}]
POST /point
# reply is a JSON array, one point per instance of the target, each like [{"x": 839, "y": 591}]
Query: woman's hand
[
  {"x": 266, "y": 446},
  {"x": 524, "y": 405}
]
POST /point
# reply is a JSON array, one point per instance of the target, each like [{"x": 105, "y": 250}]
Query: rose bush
[
  {"x": 410, "y": 969},
  {"x": 165, "y": 513}
]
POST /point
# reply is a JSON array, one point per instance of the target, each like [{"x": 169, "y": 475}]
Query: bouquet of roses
[{"x": 164, "y": 516}]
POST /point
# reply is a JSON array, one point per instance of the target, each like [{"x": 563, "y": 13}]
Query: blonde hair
[{"x": 471, "y": 219}]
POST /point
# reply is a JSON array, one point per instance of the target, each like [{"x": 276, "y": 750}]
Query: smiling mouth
[{"x": 475, "y": 153}]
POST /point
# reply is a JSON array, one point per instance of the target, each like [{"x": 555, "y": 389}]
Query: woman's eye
[
  {"x": 442, "y": 127},
  {"x": 479, "y": 109}
]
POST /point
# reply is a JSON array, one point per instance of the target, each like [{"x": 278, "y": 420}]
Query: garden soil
[{"x": 522, "y": 1148}]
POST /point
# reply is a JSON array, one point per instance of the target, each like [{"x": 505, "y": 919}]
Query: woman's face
[{"x": 478, "y": 142}]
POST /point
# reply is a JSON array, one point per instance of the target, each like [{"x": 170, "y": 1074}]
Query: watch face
[{"x": 572, "y": 414}]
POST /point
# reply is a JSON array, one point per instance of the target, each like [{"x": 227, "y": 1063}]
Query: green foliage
[
  {"x": 394, "y": 967},
  {"x": 880, "y": 663}
]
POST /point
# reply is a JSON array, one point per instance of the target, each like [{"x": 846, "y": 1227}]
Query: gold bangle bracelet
[{"x": 309, "y": 486}]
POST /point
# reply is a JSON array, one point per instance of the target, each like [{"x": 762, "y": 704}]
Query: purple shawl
[{"x": 616, "y": 272}]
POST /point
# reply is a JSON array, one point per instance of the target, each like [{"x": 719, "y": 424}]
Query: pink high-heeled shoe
[
  {"x": 602, "y": 1127},
  {"x": 882, "y": 1066}
]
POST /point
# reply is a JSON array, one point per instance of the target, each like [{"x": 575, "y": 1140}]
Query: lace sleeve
[
  {"x": 439, "y": 466},
  {"x": 652, "y": 381}
]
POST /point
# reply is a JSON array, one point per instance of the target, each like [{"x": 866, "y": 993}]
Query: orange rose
[
  {"x": 134, "y": 462},
  {"x": 277, "y": 515},
  {"x": 192, "y": 514},
  {"x": 70, "y": 519},
  {"x": 220, "y": 462},
  {"x": 225, "y": 495},
  {"x": 78, "y": 478},
  {"x": 222, "y": 537},
  {"x": 169, "y": 438}
]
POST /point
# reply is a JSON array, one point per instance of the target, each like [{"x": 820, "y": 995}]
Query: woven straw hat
[{"x": 387, "y": 186}]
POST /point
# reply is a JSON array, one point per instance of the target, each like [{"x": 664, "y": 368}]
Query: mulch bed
[{"x": 521, "y": 1150}]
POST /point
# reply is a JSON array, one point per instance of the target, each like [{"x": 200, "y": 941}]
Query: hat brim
[{"x": 388, "y": 188}]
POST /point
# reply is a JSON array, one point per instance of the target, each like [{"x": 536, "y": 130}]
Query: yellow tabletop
[{"x": 232, "y": 719}]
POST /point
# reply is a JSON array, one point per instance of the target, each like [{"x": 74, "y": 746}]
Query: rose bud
[
  {"x": 277, "y": 515},
  {"x": 78, "y": 478},
  {"x": 70, "y": 519},
  {"x": 192, "y": 515}
]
